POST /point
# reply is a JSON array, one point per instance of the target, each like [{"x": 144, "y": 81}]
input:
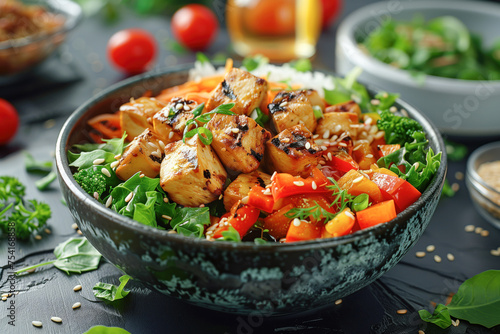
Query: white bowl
[{"x": 462, "y": 108}]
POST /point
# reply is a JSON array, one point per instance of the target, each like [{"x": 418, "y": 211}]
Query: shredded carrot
[
  {"x": 229, "y": 65},
  {"x": 107, "y": 124}
]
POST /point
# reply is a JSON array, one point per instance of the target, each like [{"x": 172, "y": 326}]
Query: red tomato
[
  {"x": 271, "y": 18},
  {"x": 331, "y": 9},
  {"x": 194, "y": 26},
  {"x": 132, "y": 50},
  {"x": 9, "y": 121}
]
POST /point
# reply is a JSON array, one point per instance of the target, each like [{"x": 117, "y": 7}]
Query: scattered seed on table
[
  {"x": 76, "y": 305},
  {"x": 420, "y": 331},
  {"x": 495, "y": 252},
  {"x": 469, "y": 228},
  {"x": 56, "y": 319},
  {"x": 455, "y": 187},
  {"x": 455, "y": 323},
  {"x": 77, "y": 287},
  {"x": 32, "y": 270},
  {"x": 420, "y": 254},
  {"x": 38, "y": 237},
  {"x": 74, "y": 226},
  {"x": 402, "y": 311},
  {"x": 48, "y": 231},
  {"x": 485, "y": 233},
  {"x": 437, "y": 258},
  {"x": 450, "y": 257},
  {"x": 4, "y": 298},
  {"x": 459, "y": 175},
  {"x": 338, "y": 302},
  {"x": 430, "y": 248},
  {"x": 478, "y": 230},
  {"x": 5, "y": 295},
  {"x": 79, "y": 232},
  {"x": 36, "y": 323}
]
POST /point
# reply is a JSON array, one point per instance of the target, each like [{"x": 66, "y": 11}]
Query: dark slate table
[{"x": 81, "y": 70}]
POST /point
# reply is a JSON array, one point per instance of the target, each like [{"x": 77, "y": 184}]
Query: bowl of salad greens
[
  {"x": 253, "y": 189},
  {"x": 442, "y": 58}
]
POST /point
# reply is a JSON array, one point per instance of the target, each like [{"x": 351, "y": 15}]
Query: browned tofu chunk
[
  {"x": 337, "y": 124},
  {"x": 349, "y": 106},
  {"x": 239, "y": 141},
  {"x": 144, "y": 155},
  {"x": 315, "y": 99},
  {"x": 292, "y": 151},
  {"x": 290, "y": 108},
  {"x": 169, "y": 123},
  {"x": 136, "y": 115},
  {"x": 240, "y": 187},
  {"x": 240, "y": 87},
  {"x": 191, "y": 173}
]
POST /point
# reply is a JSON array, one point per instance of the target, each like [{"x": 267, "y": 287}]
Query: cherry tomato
[
  {"x": 271, "y": 18},
  {"x": 9, "y": 121},
  {"x": 132, "y": 50},
  {"x": 331, "y": 9},
  {"x": 194, "y": 26}
]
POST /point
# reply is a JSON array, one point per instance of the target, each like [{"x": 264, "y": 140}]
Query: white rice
[{"x": 314, "y": 80}]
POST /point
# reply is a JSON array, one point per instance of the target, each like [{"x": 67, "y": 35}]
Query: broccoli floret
[
  {"x": 398, "y": 130},
  {"x": 91, "y": 180}
]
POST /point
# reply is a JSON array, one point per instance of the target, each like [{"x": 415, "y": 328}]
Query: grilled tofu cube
[
  {"x": 240, "y": 87},
  {"x": 136, "y": 115},
  {"x": 144, "y": 154},
  {"x": 291, "y": 108},
  {"x": 240, "y": 187},
  {"x": 315, "y": 99},
  {"x": 337, "y": 123},
  {"x": 191, "y": 173},
  {"x": 239, "y": 141},
  {"x": 292, "y": 151},
  {"x": 349, "y": 106},
  {"x": 169, "y": 123}
]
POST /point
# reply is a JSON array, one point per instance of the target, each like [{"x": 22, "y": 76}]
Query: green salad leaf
[
  {"x": 231, "y": 235},
  {"x": 99, "y": 329},
  {"x": 91, "y": 152},
  {"x": 191, "y": 221},
  {"x": 253, "y": 62},
  {"x": 440, "y": 316},
  {"x": 34, "y": 166},
  {"x": 347, "y": 89},
  {"x": 111, "y": 292}
]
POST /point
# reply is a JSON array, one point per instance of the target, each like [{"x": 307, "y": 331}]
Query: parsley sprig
[{"x": 203, "y": 132}]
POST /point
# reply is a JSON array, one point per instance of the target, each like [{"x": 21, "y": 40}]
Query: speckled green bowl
[{"x": 271, "y": 279}]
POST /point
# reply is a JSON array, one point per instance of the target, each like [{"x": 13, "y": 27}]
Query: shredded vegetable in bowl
[{"x": 270, "y": 155}]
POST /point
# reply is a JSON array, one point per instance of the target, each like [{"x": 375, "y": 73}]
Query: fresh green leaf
[
  {"x": 252, "y": 63},
  {"x": 11, "y": 189},
  {"x": 28, "y": 217},
  {"x": 230, "y": 235},
  {"x": 360, "y": 202},
  {"x": 455, "y": 151},
  {"x": 440, "y": 317},
  {"x": 114, "y": 145},
  {"x": 191, "y": 221},
  {"x": 33, "y": 166},
  {"x": 45, "y": 182},
  {"x": 447, "y": 190},
  {"x": 86, "y": 159},
  {"x": 318, "y": 113},
  {"x": 202, "y": 58},
  {"x": 106, "y": 330},
  {"x": 347, "y": 89},
  {"x": 259, "y": 117},
  {"x": 302, "y": 65},
  {"x": 259, "y": 241},
  {"x": 111, "y": 292},
  {"x": 75, "y": 255}
]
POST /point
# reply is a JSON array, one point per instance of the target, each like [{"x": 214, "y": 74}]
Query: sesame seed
[
  {"x": 274, "y": 174},
  {"x": 150, "y": 144},
  {"x": 357, "y": 147},
  {"x": 450, "y": 257},
  {"x": 420, "y": 331},
  {"x": 4, "y": 298},
  {"x": 469, "y": 228},
  {"x": 165, "y": 199},
  {"x": 284, "y": 103},
  {"x": 330, "y": 156},
  {"x": 369, "y": 156},
  {"x": 30, "y": 271},
  {"x": 186, "y": 107},
  {"x": 338, "y": 128},
  {"x": 485, "y": 233},
  {"x": 358, "y": 179},
  {"x": 109, "y": 201},
  {"x": 478, "y": 230},
  {"x": 98, "y": 161},
  {"x": 416, "y": 164},
  {"x": 322, "y": 162},
  {"x": 326, "y": 135},
  {"x": 268, "y": 191},
  {"x": 235, "y": 130},
  {"x": 221, "y": 196},
  {"x": 404, "y": 112},
  {"x": 393, "y": 109},
  {"x": 495, "y": 252},
  {"x": 244, "y": 200},
  {"x": 118, "y": 156},
  {"x": 96, "y": 195},
  {"x": 106, "y": 172},
  {"x": 5, "y": 295},
  {"x": 179, "y": 106},
  {"x": 314, "y": 186},
  {"x": 79, "y": 232},
  {"x": 298, "y": 183},
  {"x": 315, "y": 136},
  {"x": 38, "y": 237},
  {"x": 36, "y": 323},
  {"x": 172, "y": 232},
  {"x": 74, "y": 226},
  {"x": 56, "y": 319},
  {"x": 282, "y": 240},
  {"x": 437, "y": 258},
  {"x": 459, "y": 175},
  {"x": 335, "y": 137},
  {"x": 170, "y": 134},
  {"x": 349, "y": 214},
  {"x": 156, "y": 154},
  {"x": 161, "y": 144},
  {"x": 223, "y": 149},
  {"x": 375, "y": 102},
  {"x": 48, "y": 231},
  {"x": 368, "y": 121},
  {"x": 455, "y": 323},
  {"x": 114, "y": 164},
  {"x": 402, "y": 311},
  {"x": 420, "y": 254},
  {"x": 166, "y": 217},
  {"x": 338, "y": 302},
  {"x": 323, "y": 148},
  {"x": 76, "y": 305},
  {"x": 430, "y": 248},
  {"x": 308, "y": 145},
  {"x": 129, "y": 197},
  {"x": 455, "y": 186},
  {"x": 296, "y": 222},
  {"x": 77, "y": 287},
  {"x": 345, "y": 145},
  {"x": 379, "y": 135}
]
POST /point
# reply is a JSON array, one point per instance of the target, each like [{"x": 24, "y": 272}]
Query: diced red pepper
[
  {"x": 342, "y": 162},
  {"x": 376, "y": 214},
  {"x": 301, "y": 230},
  {"x": 259, "y": 200},
  {"x": 277, "y": 223},
  {"x": 397, "y": 189},
  {"x": 241, "y": 218},
  {"x": 284, "y": 185},
  {"x": 384, "y": 150}
]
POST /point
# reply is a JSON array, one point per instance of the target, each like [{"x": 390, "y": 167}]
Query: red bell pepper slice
[
  {"x": 259, "y": 200},
  {"x": 384, "y": 150},
  {"x": 242, "y": 218},
  {"x": 376, "y": 214},
  {"x": 284, "y": 185},
  {"x": 342, "y": 162},
  {"x": 397, "y": 189},
  {"x": 301, "y": 230},
  {"x": 277, "y": 223}
]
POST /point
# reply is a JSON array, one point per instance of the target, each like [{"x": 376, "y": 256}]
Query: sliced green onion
[
  {"x": 360, "y": 202},
  {"x": 318, "y": 113}
]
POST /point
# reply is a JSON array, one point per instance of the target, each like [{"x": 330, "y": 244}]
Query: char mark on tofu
[
  {"x": 169, "y": 123},
  {"x": 227, "y": 90},
  {"x": 136, "y": 115},
  {"x": 290, "y": 108},
  {"x": 256, "y": 155},
  {"x": 299, "y": 142},
  {"x": 206, "y": 174},
  {"x": 239, "y": 188}
]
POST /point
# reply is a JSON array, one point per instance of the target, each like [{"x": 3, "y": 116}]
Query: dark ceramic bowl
[{"x": 272, "y": 279}]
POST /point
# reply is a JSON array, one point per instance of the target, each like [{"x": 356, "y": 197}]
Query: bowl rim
[
  {"x": 72, "y": 12},
  {"x": 351, "y": 24},
  {"x": 472, "y": 173},
  {"x": 66, "y": 176}
]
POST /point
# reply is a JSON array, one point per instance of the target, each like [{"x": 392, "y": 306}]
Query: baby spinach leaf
[
  {"x": 111, "y": 292},
  {"x": 190, "y": 221},
  {"x": 75, "y": 255},
  {"x": 440, "y": 317},
  {"x": 86, "y": 159},
  {"x": 231, "y": 235},
  {"x": 33, "y": 166},
  {"x": 106, "y": 330},
  {"x": 253, "y": 62}
]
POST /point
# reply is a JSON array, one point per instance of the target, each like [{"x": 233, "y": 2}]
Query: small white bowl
[
  {"x": 462, "y": 108},
  {"x": 486, "y": 199}
]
